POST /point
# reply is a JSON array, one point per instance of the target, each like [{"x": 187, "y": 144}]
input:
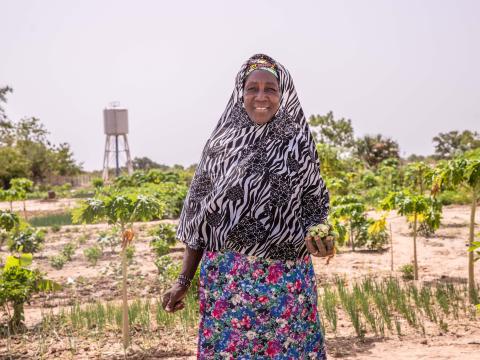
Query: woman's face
[{"x": 261, "y": 96}]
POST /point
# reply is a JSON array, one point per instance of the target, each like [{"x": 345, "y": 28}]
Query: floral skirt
[{"x": 254, "y": 308}]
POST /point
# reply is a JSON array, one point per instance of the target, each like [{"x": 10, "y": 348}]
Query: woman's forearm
[{"x": 191, "y": 259}]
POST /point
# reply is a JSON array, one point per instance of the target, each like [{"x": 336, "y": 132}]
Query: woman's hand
[
  {"x": 320, "y": 247},
  {"x": 173, "y": 298}
]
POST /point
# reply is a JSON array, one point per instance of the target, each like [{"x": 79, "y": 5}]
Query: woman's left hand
[{"x": 320, "y": 247}]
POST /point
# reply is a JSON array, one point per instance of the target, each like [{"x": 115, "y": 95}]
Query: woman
[{"x": 256, "y": 192}]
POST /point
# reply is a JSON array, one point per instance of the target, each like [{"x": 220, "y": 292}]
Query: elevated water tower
[{"x": 115, "y": 125}]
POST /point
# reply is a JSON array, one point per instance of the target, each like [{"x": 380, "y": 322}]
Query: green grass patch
[{"x": 57, "y": 219}]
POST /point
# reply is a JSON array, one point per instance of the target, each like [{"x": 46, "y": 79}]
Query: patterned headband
[{"x": 262, "y": 64}]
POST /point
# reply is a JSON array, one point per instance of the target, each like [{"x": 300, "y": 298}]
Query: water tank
[{"x": 115, "y": 121}]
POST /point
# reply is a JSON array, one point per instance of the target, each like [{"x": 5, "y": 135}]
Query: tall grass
[
  {"x": 143, "y": 315},
  {"x": 381, "y": 305},
  {"x": 57, "y": 219}
]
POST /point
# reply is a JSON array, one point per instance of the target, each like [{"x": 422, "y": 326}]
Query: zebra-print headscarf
[{"x": 257, "y": 188}]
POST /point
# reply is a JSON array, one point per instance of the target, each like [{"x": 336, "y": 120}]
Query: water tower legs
[{"x": 113, "y": 148}]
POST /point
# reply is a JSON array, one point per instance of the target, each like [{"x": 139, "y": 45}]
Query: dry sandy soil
[{"x": 442, "y": 257}]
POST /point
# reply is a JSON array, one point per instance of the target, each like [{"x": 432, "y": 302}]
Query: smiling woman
[
  {"x": 256, "y": 193},
  {"x": 261, "y": 97}
]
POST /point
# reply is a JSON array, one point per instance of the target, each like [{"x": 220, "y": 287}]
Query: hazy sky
[{"x": 408, "y": 69}]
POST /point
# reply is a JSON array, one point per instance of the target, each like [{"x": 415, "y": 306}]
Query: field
[{"x": 67, "y": 324}]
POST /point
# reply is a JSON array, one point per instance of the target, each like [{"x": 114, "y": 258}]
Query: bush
[
  {"x": 93, "y": 253},
  {"x": 109, "y": 238},
  {"x": 159, "y": 246},
  {"x": 27, "y": 241},
  {"x": 97, "y": 182},
  {"x": 165, "y": 232},
  {"x": 449, "y": 197},
  {"x": 68, "y": 251},
  {"x": 17, "y": 286},
  {"x": 58, "y": 261},
  {"x": 377, "y": 233},
  {"x": 407, "y": 271}
]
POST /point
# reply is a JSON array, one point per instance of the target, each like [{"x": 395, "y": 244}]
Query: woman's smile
[{"x": 261, "y": 96}]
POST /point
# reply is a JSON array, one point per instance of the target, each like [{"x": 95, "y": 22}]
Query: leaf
[
  {"x": 475, "y": 246},
  {"x": 23, "y": 260}
]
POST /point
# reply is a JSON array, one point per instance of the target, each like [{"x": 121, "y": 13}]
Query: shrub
[
  {"x": 58, "y": 261},
  {"x": 159, "y": 246},
  {"x": 377, "y": 233},
  {"x": 165, "y": 232},
  {"x": 68, "y": 251},
  {"x": 27, "y": 241},
  {"x": 109, "y": 238},
  {"x": 449, "y": 197},
  {"x": 17, "y": 286},
  {"x": 93, "y": 253},
  {"x": 407, "y": 271},
  {"x": 97, "y": 182}
]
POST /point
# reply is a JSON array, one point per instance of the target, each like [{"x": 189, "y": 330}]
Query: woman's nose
[{"x": 260, "y": 95}]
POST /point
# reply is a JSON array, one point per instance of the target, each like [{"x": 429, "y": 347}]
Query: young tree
[
  {"x": 21, "y": 187},
  {"x": 408, "y": 204},
  {"x": 462, "y": 172},
  {"x": 418, "y": 176},
  {"x": 121, "y": 208}
]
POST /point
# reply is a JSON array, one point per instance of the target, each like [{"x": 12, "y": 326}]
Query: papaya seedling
[{"x": 120, "y": 207}]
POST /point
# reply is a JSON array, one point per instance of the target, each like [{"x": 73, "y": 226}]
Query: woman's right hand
[
  {"x": 320, "y": 247},
  {"x": 173, "y": 298}
]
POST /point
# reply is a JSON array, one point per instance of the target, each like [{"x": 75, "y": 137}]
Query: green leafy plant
[
  {"x": 159, "y": 246},
  {"x": 97, "y": 183},
  {"x": 109, "y": 238},
  {"x": 407, "y": 271},
  {"x": 464, "y": 173},
  {"x": 20, "y": 187},
  {"x": 8, "y": 220},
  {"x": 408, "y": 204},
  {"x": 120, "y": 207},
  {"x": 57, "y": 261},
  {"x": 166, "y": 232},
  {"x": 93, "y": 254},
  {"x": 18, "y": 284},
  {"x": 351, "y": 211},
  {"x": 377, "y": 233},
  {"x": 27, "y": 241},
  {"x": 68, "y": 250}
]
